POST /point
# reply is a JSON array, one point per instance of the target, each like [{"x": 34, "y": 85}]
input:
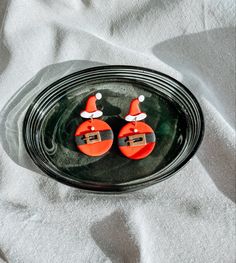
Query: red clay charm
[
  {"x": 93, "y": 137},
  {"x": 136, "y": 139}
]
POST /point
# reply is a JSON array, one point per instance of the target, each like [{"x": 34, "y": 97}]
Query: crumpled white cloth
[{"x": 187, "y": 218}]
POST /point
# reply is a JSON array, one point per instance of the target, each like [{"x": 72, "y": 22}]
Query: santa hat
[
  {"x": 135, "y": 113},
  {"x": 91, "y": 110}
]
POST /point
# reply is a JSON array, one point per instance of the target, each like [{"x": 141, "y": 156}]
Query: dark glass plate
[{"x": 52, "y": 118}]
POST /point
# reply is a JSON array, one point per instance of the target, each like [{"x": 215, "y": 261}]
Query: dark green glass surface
[
  {"x": 60, "y": 124},
  {"x": 53, "y": 116}
]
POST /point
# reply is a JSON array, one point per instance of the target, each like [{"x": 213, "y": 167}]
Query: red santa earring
[
  {"x": 136, "y": 139},
  {"x": 93, "y": 137}
]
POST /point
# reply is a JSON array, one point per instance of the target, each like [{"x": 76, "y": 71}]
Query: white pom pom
[
  {"x": 141, "y": 98},
  {"x": 98, "y": 96}
]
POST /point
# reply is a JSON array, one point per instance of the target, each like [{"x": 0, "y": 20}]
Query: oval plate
[{"x": 52, "y": 118}]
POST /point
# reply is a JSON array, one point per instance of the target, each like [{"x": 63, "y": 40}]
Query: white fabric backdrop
[{"x": 188, "y": 218}]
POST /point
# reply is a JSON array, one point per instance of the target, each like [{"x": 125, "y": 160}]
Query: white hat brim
[
  {"x": 138, "y": 117},
  {"x": 88, "y": 115}
]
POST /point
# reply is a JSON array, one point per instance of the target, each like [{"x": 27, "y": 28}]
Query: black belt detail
[
  {"x": 125, "y": 141},
  {"x": 104, "y": 135}
]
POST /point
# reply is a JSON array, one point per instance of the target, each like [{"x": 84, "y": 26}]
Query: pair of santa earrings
[{"x": 94, "y": 137}]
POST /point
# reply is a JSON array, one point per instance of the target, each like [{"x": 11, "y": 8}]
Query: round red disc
[
  {"x": 94, "y": 137},
  {"x": 138, "y": 146}
]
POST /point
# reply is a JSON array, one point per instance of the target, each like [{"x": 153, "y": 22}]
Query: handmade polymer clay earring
[
  {"x": 93, "y": 137},
  {"x": 136, "y": 139}
]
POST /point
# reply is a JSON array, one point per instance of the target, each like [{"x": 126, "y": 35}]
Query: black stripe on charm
[
  {"x": 93, "y": 137},
  {"x": 137, "y": 139}
]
